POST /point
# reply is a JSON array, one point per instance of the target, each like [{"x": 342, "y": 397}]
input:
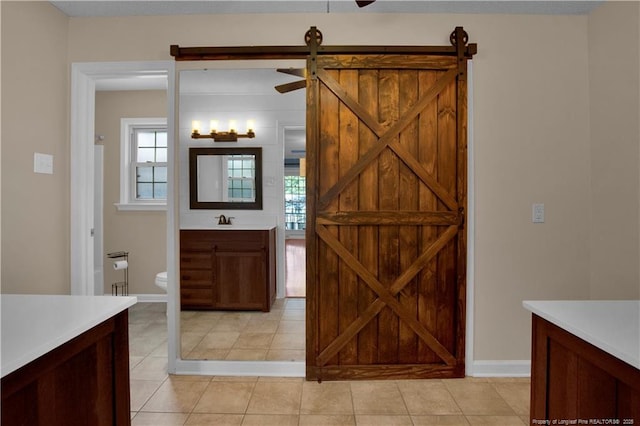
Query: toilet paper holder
[{"x": 120, "y": 262}]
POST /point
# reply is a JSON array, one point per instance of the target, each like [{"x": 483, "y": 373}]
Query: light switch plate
[
  {"x": 538, "y": 213},
  {"x": 43, "y": 163}
]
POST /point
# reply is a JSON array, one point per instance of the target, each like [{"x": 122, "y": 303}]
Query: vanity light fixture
[{"x": 229, "y": 136}]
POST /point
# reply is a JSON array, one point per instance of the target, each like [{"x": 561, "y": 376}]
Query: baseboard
[
  {"x": 506, "y": 368},
  {"x": 240, "y": 368},
  {"x": 151, "y": 298}
]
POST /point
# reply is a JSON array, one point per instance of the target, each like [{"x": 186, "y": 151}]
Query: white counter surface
[
  {"x": 611, "y": 325},
  {"x": 33, "y": 325},
  {"x": 227, "y": 227}
]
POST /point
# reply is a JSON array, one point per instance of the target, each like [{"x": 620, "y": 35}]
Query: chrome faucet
[{"x": 223, "y": 220}]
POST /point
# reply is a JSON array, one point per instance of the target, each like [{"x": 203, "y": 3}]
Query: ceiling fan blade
[
  {"x": 299, "y": 72},
  {"x": 363, "y": 3},
  {"x": 289, "y": 87}
]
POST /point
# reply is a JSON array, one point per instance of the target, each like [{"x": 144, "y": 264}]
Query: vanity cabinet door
[{"x": 240, "y": 278}]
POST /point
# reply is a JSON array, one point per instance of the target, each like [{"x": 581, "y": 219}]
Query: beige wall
[
  {"x": 614, "y": 69},
  {"x": 531, "y": 139},
  {"x": 35, "y": 118},
  {"x": 141, "y": 233},
  {"x": 531, "y": 146}
]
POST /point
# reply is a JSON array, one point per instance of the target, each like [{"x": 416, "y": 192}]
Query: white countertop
[
  {"x": 611, "y": 325},
  {"x": 33, "y": 325},
  {"x": 228, "y": 227}
]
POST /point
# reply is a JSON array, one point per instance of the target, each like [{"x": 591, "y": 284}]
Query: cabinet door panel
[{"x": 240, "y": 279}]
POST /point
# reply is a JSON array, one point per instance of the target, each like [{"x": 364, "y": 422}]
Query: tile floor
[
  {"x": 160, "y": 399},
  {"x": 277, "y": 335}
]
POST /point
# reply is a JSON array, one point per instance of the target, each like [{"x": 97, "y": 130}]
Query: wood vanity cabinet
[{"x": 227, "y": 269}]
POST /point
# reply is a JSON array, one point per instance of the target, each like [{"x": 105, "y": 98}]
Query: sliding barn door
[{"x": 386, "y": 233}]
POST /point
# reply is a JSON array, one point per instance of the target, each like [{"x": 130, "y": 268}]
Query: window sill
[{"x": 141, "y": 206}]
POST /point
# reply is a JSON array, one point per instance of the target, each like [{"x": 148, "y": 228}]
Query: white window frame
[
  {"x": 128, "y": 199},
  {"x": 227, "y": 179}
]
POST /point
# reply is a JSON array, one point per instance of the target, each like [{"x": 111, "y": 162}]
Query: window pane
[
  {"x": 146, "y": 155},
  {"x": 146, "y": 138},
  {"x": 160, "y": 190},
  {"x": 161, "y": 139},
  {"x": 144, "y": 174},
  {"x": 151, "y": 183},
  {"x": 144, "y": 191},
  {"x": 161, "y": 155},
  {"x": 160, "y": 174}
]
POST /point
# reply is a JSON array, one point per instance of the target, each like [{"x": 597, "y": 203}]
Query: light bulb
[
  {"x": 213, "y": 126},
  {"x": 250, "y": 125},
  {"x": 195, "y": 126},
  {"x": 232, "y": 125}
]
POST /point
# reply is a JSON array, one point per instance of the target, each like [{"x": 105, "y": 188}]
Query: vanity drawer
[
  {"x": 196, "y": 278},
  {"x": 195, "y": 260},
  {"x": 196, "y": 298}
]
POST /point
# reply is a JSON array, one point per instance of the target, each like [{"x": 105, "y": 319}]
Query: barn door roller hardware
[{"x": 463, "y": 50}]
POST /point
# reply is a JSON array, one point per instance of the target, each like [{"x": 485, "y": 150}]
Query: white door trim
[
  {"x": 98, "y": 237},
  {"x": 82, "y": 139}
]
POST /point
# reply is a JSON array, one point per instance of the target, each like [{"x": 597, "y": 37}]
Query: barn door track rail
[{"x": 463, "y": 50}]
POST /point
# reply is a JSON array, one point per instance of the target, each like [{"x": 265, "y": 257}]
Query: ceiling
[{"x": 188, "y": 7}]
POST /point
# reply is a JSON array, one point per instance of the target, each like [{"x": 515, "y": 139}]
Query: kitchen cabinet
[
  {"x": 232, "y": 269},
  {"x": 585, "y": 366},
  {"x": 65, "y": 360}
]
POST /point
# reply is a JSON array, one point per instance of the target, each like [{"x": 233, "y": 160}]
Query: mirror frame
[{"x": 194, "y": 204}]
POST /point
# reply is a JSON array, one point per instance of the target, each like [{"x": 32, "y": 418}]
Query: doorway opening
[{"x": 295, "y": 210}]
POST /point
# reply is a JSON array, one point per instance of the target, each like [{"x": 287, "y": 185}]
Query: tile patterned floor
[
  {"x": 160, "y": 399},
  {"x": 278, "y": 335}
]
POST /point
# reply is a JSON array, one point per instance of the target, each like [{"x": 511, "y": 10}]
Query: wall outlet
[
  {"x": 538, "y": 213},
  {"x": 42, "y": 163}
]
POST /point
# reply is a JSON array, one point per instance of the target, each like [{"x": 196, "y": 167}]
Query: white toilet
[{"x": 161, "y": 280}]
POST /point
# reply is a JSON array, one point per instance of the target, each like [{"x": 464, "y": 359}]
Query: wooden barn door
[{"x": 386, "y": 170}]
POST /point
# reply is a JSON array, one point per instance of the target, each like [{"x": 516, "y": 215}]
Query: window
[
  {"x": 143, "y": 153},
  {"x": 150, "y": 152},
  {"x": 240, "y": 172},
  {"x": 295, "y": 206}
]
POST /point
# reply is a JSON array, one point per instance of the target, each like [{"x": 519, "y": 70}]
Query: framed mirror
[{"x": 225, "y": 178}]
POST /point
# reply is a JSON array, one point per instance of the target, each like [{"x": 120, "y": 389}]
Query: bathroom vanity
[
  {"x": 585, "y": 366},
  {"x": 228, "y": 269},
  {"x": 65, "y": 360}
]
